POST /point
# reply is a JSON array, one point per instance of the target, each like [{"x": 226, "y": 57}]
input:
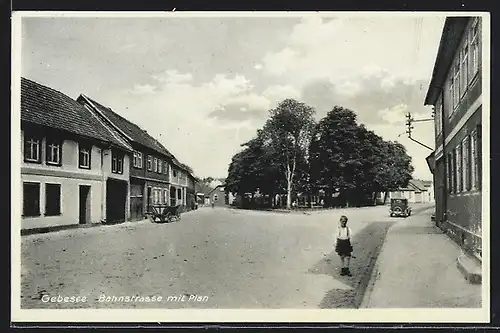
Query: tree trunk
[
  {"x": 386, "y": 193},
  {"x": 289, "y": 195}
]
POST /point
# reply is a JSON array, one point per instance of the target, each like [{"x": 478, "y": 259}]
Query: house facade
[
  {"x": 71, "y": 162},
  {"x": 455, "y": 92},
  {"x": 417, "y": 191},
  {"x": 156, "y": 177}
]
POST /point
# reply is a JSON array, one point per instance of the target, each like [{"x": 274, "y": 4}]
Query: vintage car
[{"x": 400, "y": 207}]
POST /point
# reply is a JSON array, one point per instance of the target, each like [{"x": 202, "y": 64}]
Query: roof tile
[{"x": 45, "y": 106}]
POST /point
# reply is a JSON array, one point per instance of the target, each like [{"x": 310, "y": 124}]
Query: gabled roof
[
  {"x": 415, "y": 185},
  {"x": 133, "y": 132},
  {"x": 128, "y": 129},
  {"x": 451, "y": 36},
  {"x": 418, "y": 184},
  {"x": 48, "y": 107}
]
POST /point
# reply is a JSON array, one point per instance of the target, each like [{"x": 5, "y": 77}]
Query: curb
[
  {"x": 470, "y": 269},
  {"x": 56, "y": 228}
]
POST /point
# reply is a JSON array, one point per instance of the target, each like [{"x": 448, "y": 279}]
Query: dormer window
[
  {"x": 174, "y": 173},
  {"x": 32, "y": 151},
  {"x": 160, "y": 165},
  {"x": 84, "y": 156}
]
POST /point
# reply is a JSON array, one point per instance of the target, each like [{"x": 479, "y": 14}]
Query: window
[
  {"x": 438, "y": 115},
  {"x": 150, "y": 163},
  {"x": 454, "y": 171},
  {"x": 174, "y": 173},
  {"x": 31, "y": 199},
  {"x": 137, "y": 159},
  {"x": 155, "y": 196},
  {"x": 160, "y": 162},
  {"x": 155, "y": 165},
  {"x": 474, "y": 48},
  {"x": 476, "y": 139},
  {"x": 116, "y": 162},
  {"x": 84, "y": 156},
  {"x": 165, "y": 196},
  {"x": 179, "y": 194},
  {"x": 53, "y": 151},
  {"x": 32, "y": 149},
  {"x": 166, "y": 168},
  {"x": 466, "y": 163},
  {"x": 464, "y": 61},
  {"x": 52, "y": 199},
  {"x": 456, "y": 84},
  {"x": 459, "y": 168},
  {"x": 452, "y": 97},
  {"x": 449, "y": 170}
]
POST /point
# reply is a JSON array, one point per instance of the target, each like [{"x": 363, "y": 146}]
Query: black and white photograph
[{"x": 250, "y": 166}]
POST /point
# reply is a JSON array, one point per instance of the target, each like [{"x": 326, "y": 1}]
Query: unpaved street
[{"x": 215, "y": 258}]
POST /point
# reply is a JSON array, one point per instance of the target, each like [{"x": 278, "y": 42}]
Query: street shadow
[{"x": 367, "y": 244}]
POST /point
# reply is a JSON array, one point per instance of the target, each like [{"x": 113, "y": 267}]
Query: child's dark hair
[{"x": 344, "y": 217}]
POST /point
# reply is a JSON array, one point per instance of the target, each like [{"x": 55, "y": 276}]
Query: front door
[{"x": 84, "y": 204}]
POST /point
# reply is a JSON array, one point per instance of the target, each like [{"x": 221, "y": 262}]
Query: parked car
[{"x": 400, "y": 207}]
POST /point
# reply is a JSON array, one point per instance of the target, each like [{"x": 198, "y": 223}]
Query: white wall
[
  {"x": 69, "y": 201},
  {"x": 70, "y": 177}
]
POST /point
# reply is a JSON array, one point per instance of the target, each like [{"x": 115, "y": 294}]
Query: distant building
[
  {"x": 455, "y": 92},
  {"x": 417, "y": 191},
  {"x": 72, "y": 164}
]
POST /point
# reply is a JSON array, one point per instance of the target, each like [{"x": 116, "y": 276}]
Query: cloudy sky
[{"x": 202, "y": 86}]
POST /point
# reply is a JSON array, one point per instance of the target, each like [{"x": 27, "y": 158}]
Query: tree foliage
[{"x": 292, "y": 154}]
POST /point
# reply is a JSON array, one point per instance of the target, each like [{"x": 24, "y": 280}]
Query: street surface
[{"x": 211, "y": 258}]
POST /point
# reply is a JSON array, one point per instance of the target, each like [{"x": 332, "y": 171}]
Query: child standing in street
[{"x": 343, "y": 246}]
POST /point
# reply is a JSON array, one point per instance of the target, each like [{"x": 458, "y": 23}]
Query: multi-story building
[
  {"x": 455, "y": 92},
  {"x": 72, "y": 163},
  {"x": 156, "y": 177}
]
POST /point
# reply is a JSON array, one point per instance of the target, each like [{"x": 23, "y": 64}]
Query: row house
[
  {"x": 156, "y": 177},
  {"x": 72, "y": 163},
  {"x": 455, "y": 92}
]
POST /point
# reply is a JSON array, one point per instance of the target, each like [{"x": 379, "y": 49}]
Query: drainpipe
[{"x": 103, "y": 189}]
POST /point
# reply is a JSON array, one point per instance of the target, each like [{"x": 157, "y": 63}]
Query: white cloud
[
  {"x": 395, "y": 114},
  {"x": 170, "y": 77},
  {"x": 143, "y": 89},
  {"x": 258, "y": 67},
  {"x": 277, "y": 93},
  {"x": 176, "y": 112},
  {"x": 348, "y": 88},
  {"x": 341, "y": 49},
  {"x": 280, "y": 62}
]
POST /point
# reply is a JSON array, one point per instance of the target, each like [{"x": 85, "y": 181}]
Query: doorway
[
  {"x": 84, "y": 205},
  {"x": 116, "y": 200},
  {"x": 150, "y": 200}
]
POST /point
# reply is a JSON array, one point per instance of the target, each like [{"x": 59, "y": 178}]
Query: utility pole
[{"x": 409, "y": 128}]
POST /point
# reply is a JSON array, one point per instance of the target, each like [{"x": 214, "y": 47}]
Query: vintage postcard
[{"x": 250, "y": 167}]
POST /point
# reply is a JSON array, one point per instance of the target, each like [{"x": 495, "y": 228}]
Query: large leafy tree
[
  {"x": 394, "y": 169},
  {"x": 345, "y": 156},
  {"x": 333, "y": 155},
  {"x": 286, "y": 136}
]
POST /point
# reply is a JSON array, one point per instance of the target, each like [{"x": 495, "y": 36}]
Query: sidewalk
[{"x": 418, "y": 268}]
